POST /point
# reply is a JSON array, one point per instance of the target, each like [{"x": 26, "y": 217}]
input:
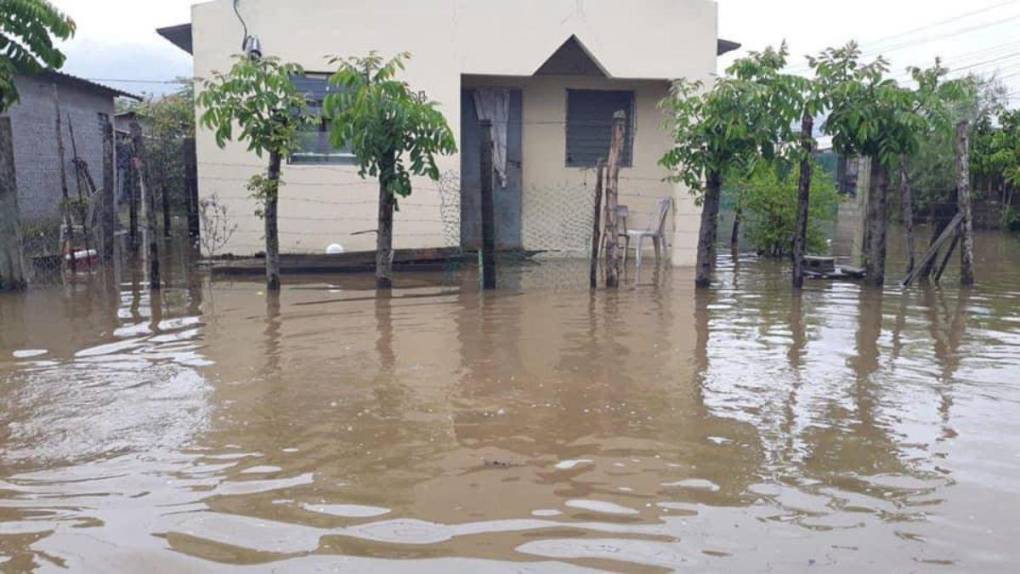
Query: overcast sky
[{"x": 117, "y": 39}]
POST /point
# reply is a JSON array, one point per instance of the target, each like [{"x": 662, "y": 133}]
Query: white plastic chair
[{"x": 656, "y": 232}]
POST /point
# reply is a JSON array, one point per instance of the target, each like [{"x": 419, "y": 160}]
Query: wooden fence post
[
  {"x": 68, "y": 244},
  {"x": 613, "y": 201},
  {"x": 596, "y": 238},
  {"x": 907, "y": 212},
  {"x": 145, "y": 185},
  {"x": 133, "y": 183},
  {"x": 165, "y": 201},
  {"x": 108, "y": 199},
  {"x": 964, "y": 200},
  {"x": 488, "y": 253},
  {"x": 807, "y": 128},
  {"x": 12, "y": 259},
  {"x": 191, "y": 188}
]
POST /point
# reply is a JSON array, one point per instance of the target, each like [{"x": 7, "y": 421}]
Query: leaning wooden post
[
  {"x": 964, "y": 200},
  {"x": 807, "y": 127},
  {"x": 12, "y": 260},
  {"x": 132, "y": 184},
  {"x": 108, "y": 212},
  {"x": 596, "y": 236},
  {"x": 68, "y": 245},
  {"x": 145, "y": 185},
  {"x": 191, "y": 188},
  {"x": 613, "y": 263},
  {"x": 487, "y": 257}
]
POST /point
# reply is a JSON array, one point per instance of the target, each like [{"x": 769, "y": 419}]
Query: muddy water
[{"x": 535, "y": 429}]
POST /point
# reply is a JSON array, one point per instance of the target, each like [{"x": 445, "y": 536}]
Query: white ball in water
[{"x": 334, "y": 249}]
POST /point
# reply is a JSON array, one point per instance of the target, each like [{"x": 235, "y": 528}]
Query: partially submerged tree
[
  {"x": 723, "y": 129},
  {"x": 170, "y": 120},
  {"x": 259, "y": 97},
  {"x": 394, "y": 132},
  {"x": 27, "y": 32},
  {"x": 869, "y": 115}
]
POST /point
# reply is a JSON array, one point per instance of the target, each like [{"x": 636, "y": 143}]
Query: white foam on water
[
  {"x": 600, "y": 506},
  {"x": 347, "y": 510},
  {"x": 569, "y": 464}
]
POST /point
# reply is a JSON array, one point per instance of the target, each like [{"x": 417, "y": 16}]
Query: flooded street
[{"x": 539, "y": 428}]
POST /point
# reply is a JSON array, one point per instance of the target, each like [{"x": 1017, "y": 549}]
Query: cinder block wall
[{"x": 33, "y": 121}]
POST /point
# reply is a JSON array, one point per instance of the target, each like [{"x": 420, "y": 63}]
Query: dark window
[
  {"x": 590, "y": 126},
  {"x": 313, "y": 144}
]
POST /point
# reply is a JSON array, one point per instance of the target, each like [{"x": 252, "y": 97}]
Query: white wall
[{"x": 649, "y": 40}]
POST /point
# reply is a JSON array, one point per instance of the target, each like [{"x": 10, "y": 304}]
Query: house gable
[{"x": 572, "y": 59}]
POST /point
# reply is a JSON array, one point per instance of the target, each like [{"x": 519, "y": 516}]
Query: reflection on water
[{"x": 537, "y": 428}]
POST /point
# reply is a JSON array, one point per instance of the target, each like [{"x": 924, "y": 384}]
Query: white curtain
[{"x": 493, "y": 104}]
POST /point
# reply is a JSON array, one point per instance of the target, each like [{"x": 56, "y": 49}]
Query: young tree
[
  {"x": 718, "y": 130},
  {"x": 869, "y": 115},
  {"x": 259, "y": 96},
  {"x": 27, "y": 30},
  {"x": 395, "y": 134},
  {"x": 170, "y": 119}
]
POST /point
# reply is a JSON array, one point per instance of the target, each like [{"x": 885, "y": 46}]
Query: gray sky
[{"x": 117, "y": 39}]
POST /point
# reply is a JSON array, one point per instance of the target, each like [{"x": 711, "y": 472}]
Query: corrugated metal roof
[{"x": 82, "y": 83}]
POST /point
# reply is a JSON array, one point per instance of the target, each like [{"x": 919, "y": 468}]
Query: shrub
[{"x": 768, "y": 198}]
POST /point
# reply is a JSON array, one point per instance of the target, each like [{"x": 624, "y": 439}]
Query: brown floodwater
[{"x": 538, "y": 428}]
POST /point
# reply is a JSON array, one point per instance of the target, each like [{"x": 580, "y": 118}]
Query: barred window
[
  {"x": 313, "y": 140},
  {"x": 590, "y": 126}
]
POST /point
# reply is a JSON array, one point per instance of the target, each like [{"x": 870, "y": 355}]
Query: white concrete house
[{"x": 557, "y": 68}]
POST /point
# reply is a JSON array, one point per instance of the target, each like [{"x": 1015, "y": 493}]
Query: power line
[{"x": 941, "y": 22}]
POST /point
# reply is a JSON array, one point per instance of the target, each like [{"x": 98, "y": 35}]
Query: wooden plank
[
  {"x": 596, "y": 238},
  {"x": 359, "y": 261},
  {"x": 933, "y": 251}
]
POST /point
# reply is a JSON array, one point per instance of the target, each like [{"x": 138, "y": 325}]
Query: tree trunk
[
  {"x": 803, "y": 200},
  {"x": 12, "y": 261},
  {"x": 384, "y": 242},
  {"x": 964, "y": 200},
  {"x": 877, "y": 224},
  {"x": 907, "y": 212},
  {"x": 709, "y": 230},
  {"x": 145, "y": 185},
  {"x": 272, "y": 225}
]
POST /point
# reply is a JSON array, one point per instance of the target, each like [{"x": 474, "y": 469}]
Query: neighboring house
[
  {"x": 557, "y": 69},
  {"x": 85, "y": 107}
]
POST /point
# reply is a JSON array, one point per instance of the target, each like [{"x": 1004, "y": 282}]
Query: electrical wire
[{"x": 244, "y": 39}]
